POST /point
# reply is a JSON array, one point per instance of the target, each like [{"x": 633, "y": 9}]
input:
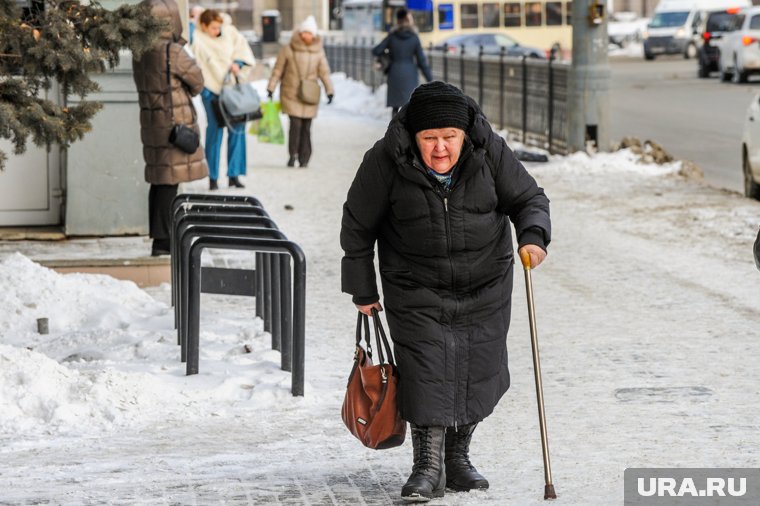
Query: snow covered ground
[{"x": 648, "y": 315}]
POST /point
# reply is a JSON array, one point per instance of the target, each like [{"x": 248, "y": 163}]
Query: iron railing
[{"x": 525, "y": 96}]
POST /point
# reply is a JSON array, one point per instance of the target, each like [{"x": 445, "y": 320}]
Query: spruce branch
[{"x": 67, "y": 42}]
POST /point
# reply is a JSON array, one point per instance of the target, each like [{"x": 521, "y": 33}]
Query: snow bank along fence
[
  {"x": 526, "y": 96},
  {"x": 238, "y": 222}
]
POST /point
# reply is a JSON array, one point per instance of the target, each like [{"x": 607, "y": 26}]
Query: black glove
[
  {"x": 269, "y": 94},
  {"x": 329, "y": 99}
]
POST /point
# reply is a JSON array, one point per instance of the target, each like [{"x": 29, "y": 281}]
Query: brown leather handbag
[{"x": 369, "y": 409}]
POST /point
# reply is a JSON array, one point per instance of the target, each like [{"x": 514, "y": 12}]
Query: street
[{"x": 695, "y": 119}]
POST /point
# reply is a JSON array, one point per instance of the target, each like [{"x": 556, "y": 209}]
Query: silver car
[
  {"x": 492, "y": 44},
  {"x": 740, "y": 49}
]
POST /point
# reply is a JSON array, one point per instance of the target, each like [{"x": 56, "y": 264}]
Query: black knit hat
[{"x": 437, "y": 105}]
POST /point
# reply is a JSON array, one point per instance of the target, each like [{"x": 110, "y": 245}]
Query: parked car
[
  {"x": 751, "y": 149},
  {"x": 492, "y": 44},
  {"x": 713, "y": 26},
  {"x": 740, "y": 48}
]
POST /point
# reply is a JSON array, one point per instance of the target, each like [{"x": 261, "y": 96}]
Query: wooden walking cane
[{"x": 549, "y": 492}]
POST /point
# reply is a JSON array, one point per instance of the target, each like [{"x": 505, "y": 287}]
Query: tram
[{"x": 538, "y": 23}]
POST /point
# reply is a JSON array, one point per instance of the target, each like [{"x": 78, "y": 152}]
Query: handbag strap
[
  {"x": 169, "y": 85},
  {"x": 363, "y": 319},
  {"x": 228, "y": 78},
  {"x": 380, "y": 334},
  {"x": 308, "y": 64}
]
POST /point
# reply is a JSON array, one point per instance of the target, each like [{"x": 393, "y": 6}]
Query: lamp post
[{"x": 589, "y": 87}]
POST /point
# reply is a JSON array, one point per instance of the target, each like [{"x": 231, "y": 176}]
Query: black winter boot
[
  {"x": 235, "y": 183},
  {"x": 428, "y": 479},
  {"x": 460, "y": 474}
]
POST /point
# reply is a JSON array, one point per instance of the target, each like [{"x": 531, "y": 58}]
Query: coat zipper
[{"x": 444, "y": 194}]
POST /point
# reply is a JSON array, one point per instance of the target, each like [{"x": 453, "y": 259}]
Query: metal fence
[{"x": 526, "y": 96}]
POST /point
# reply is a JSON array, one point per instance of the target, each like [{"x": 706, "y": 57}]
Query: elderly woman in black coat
[
  {"x": 406, "y": 55},
  {"x": 436, "y": 194}
]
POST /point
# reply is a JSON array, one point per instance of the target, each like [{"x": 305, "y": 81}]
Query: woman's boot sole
[
  {"x": 457, "y": 488},
  {"x": 422, "y": 498}
]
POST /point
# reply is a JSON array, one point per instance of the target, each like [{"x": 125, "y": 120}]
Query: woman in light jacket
[
  {"x": 304, "y": 58},
  {"x": 162, "y": 105},
  {"x": 220, "y": 49}
]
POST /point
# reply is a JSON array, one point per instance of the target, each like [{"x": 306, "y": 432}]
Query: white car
[
  {"x": 740, "y": 49},
  {"x": 751, "y": 149}
]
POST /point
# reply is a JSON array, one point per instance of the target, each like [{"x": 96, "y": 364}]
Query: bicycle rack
[
  {"x": 201, "y": 221},
  {"x": 193, "y": 255}
]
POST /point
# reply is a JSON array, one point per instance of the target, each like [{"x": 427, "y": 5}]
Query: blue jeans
[{"x": 236, "y": 158}]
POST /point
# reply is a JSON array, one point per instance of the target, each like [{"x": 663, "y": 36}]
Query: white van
[{"x": 675, "y": 25}]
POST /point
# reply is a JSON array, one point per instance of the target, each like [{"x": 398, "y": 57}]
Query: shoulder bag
[
  {"x": 237, "y": 103},
  {"x": 183, "y": 137},
  {"x": 309, "y": 91},
  {"x": 370, "y": 410}
]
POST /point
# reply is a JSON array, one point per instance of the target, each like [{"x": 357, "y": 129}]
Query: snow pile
[
  {"x": 31, "y": 291},
  {"x": 356, "y": 98},
  {"x": 111, "y": 357},
  {"x": 36, "y": 392},
  {"x": 621, "y": 161}
]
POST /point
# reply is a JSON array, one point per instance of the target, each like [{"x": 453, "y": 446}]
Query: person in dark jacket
[
  {"x": 436, "y": 194},
  {"x": 406, "y": 56},
  {"x": 163, "y": 104}
]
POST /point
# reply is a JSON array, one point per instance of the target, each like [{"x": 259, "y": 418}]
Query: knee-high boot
[
  {"x": 428, "y": 479},
  {"x": 461, "y": 475}
]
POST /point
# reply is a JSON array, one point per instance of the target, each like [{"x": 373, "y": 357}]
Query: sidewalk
[{"x": 647, "y": 311}]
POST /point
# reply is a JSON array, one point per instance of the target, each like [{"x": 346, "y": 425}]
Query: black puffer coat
[{"x": 446, "y": 262}]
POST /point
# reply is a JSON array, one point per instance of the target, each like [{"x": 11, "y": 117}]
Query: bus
[{"x": 538, "y": 23}]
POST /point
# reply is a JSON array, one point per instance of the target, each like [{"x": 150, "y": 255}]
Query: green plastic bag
[{"x": 269, "y": 128}]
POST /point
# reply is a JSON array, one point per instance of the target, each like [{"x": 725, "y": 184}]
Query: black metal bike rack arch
[
  {"x": 299, "y": 296},
  {"x": 182, "y": 221},
  {"x": 238, "y": 222},
  {"x": 196, "y": 231}
]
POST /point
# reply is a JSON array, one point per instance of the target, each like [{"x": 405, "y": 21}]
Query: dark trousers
[
  {"x": 299, "y": 140},
  {"x": 160, "y": 199}
]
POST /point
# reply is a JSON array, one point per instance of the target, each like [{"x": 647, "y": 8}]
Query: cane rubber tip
[
  {"x": 525, "y": 258},
  {"x": 549, "y": 492}
]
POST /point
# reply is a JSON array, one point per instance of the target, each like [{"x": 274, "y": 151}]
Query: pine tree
[{"x": 64, "y": 41}]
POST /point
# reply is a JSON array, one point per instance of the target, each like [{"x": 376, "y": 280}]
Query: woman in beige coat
[
  {"x": 162, "y": 105},
  {"x": 304, "y": 58}
]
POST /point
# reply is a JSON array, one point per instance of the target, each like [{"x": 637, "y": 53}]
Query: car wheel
[
  {"x": 702, "y": 70},
  {"x": 648, "y": 56},
  {"x": 751, "y": 188},
  {"x": 725, "y": 76},
  {"x": 739, "y": 76},
  {"x": 690, "y": 52}
]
